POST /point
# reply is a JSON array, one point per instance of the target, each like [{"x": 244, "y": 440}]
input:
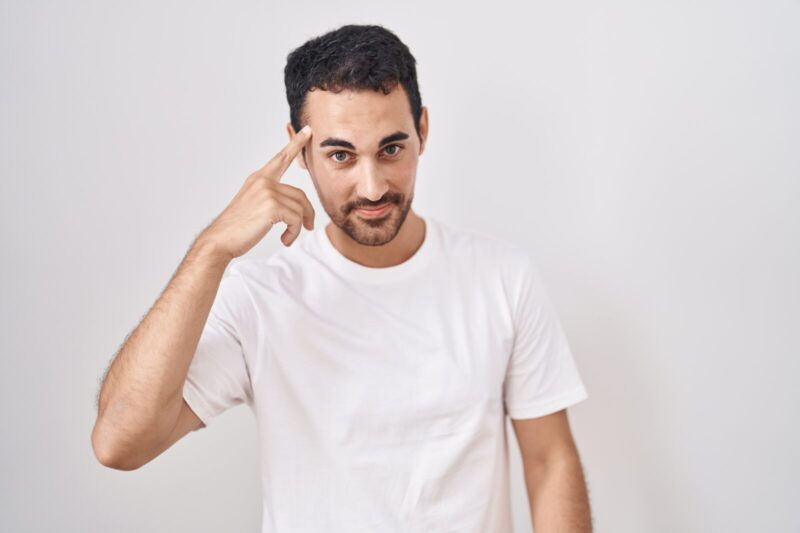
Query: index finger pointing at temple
[{"x": 276, "y": 166}]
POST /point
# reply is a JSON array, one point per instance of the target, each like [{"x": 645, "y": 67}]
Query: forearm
[
  {"x": 140, "y": 398},
  {"x": 558, "y": 496}
]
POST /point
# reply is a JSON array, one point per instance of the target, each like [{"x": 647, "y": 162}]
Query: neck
[{"x": 398, "y": 250}]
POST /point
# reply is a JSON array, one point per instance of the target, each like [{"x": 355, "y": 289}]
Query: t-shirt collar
[{"x": 361, "y": 273}]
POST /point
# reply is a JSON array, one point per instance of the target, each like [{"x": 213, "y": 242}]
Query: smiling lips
[{"x": 375, "y": 212}]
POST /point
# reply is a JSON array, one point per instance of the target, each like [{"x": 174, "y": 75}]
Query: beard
[{"x": 373, "y": 231}]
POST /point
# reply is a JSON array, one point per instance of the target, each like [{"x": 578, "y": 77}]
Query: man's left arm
[{"x": 554, "y": 477}]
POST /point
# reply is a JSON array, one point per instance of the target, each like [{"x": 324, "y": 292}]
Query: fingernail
[{"x": 306, "y": 129}]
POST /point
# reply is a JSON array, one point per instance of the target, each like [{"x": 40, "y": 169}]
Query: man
[{"x": 379, "y": 354}]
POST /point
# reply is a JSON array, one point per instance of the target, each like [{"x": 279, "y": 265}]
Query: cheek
[
  {"x": 333, "y": 186},
  {"x": 405, "y": 171}
]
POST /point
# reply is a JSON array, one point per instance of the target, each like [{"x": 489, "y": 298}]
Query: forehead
[{"x": 358, "y": 115}]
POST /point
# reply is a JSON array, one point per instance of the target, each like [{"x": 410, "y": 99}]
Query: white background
[{"x": 647, "y": 153}]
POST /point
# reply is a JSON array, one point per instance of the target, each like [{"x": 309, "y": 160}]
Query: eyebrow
[{"x": 333, "y": 141}]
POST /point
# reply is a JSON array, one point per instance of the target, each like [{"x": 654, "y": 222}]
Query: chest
[{"x": 399, "y": 353}]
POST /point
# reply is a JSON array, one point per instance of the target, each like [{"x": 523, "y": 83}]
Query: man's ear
[
  {"x": 423, "y": 128},
  {"x": 301, "y": 159}
]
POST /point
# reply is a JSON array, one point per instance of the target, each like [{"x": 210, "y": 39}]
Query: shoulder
[{"x": 281, "y": 268}]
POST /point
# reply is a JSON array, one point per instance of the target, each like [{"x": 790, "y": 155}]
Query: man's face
[{"x": 363, "y": 152}]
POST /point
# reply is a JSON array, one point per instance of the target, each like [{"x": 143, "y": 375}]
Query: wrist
[{"x": 207, "y": 250}]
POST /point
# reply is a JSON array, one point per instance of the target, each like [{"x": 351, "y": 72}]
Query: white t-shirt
[{"x": 380, "y": 394}]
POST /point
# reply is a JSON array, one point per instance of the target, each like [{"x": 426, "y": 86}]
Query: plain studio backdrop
[{"x": 648, "y": 154}]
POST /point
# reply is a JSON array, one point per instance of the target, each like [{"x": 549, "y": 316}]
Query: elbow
[{"x": 110, "y": 455}]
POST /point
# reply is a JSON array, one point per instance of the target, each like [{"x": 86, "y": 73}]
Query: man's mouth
[{"x": 375, "y": 211}]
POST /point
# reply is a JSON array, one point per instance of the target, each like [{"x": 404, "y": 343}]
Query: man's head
[{"x": 357, "y": 88}]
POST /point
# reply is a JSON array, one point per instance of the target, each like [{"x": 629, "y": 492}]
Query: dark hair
[{"x": 352, "y": 57}]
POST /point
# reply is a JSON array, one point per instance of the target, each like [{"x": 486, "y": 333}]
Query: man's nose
[{"x": 370, "y": 183}]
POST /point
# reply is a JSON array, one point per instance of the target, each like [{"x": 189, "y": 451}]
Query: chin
[{"x": 372, "y": 232}]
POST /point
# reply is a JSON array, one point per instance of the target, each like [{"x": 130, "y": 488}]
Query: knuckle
[
  {"x": 284, "y": 188},
  {"x": 255, "y": 178},
  {"x": 271, "y": 203},
  {"x": 269, "y": 186}
]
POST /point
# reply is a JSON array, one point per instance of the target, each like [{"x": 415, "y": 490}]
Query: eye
[
  {"x": 334, "y": 154},
  {"x": 399, "y": 148}
]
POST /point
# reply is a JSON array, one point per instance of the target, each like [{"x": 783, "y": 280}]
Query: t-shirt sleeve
[
  {"x": 541, "y": 377},
  {"x": 219, "y": 376}
]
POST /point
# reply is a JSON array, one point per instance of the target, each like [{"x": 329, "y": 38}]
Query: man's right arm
[
  {"x": 140, "y": 408},
  {"x": 141, "y": 411}
]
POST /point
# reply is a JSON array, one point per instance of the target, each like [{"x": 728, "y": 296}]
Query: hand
[{"x": 261, "y": 202}]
